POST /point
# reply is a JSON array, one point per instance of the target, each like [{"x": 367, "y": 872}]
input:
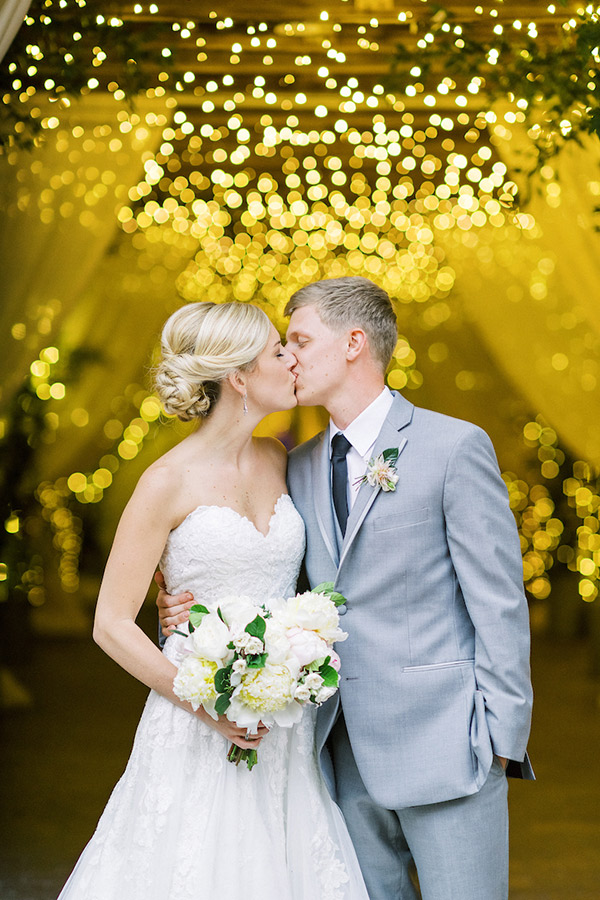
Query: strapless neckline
[
  {"x": 238, "y": 515},
  {"x": 217, "y": 551}
]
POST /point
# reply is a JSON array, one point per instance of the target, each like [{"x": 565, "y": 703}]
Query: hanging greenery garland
[
  {"x": 554, "y": 83},
  {"x": 58, "y": 54},
  {"x": 553, "y": 80}
]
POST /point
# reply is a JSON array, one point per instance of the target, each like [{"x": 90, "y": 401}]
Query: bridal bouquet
[{"x": 261, "y": 663}]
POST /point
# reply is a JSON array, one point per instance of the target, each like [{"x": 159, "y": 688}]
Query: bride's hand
[
  {"x": 233, "y": 732},
  {"x": 173, "y": 609}
]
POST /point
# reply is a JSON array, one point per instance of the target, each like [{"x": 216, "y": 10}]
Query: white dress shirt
[{"x": 362, "y": 433}]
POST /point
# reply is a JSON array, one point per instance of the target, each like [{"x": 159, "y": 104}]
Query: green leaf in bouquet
[
  {"x": 223, "y": 680},
  {"x": 256, "y": 660},
  {"x": 329, "y": 675},
  {"x": 315, "y": 666},
  {"x": 326, "y": 587},
  {"x": 222, "y": 704},
  {"x": 257, "y": 628},
  {"x": 221, "y": 616},
  {"x": 197, "y": 613}
]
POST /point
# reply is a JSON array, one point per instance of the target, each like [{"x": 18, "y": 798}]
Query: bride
[{"x": 214, "y": 513}]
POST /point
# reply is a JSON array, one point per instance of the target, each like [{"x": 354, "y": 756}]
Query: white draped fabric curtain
[
  {"x": 60, "y": 207},
  {"x": 12, "y": 13},
  {"x": 72, "y": 279},
  {"x": 533, "y": 295}
]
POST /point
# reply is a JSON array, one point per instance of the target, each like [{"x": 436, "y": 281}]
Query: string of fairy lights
[{"x": 287, "y": 154}]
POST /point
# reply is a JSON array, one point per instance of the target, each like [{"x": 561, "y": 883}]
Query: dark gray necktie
[{"x": 339, "y": 480}]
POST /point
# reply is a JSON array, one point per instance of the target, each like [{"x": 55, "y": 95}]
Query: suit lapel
[
  {"x": 321, "y": 473},
  {"x": 400, "y": 414}
]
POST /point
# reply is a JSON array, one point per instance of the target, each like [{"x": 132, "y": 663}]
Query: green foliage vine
[{"x": 555, "y": 83}]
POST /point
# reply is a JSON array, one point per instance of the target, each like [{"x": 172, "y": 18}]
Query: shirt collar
[{"x": 363, "y": 430}]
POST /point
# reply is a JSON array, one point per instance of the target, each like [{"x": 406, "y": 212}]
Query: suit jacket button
[{"x": 342, "y": 610}]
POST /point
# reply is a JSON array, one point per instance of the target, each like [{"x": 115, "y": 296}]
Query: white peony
[
  {"x": 265, "y": 695},
  {"x": 195, "y": 682},
  {"x": 238, "y": 612},
  {"x": 276, "y": 606},
  {"x": 276, "y": 641},
  {"x": 210, "y": 639},
  {"x": 268, "y": 689},
  {"x": 306, "y": 646},
  {"x": 313, "y": 612}
]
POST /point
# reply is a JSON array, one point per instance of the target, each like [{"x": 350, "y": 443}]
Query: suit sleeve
[{"x": 485, "y": 551}]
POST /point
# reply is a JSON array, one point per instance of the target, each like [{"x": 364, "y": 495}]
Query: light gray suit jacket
[{"x": 435, "y": 673}]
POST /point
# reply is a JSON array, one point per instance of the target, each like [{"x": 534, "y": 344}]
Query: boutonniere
[{"x": 381, "y": 470}]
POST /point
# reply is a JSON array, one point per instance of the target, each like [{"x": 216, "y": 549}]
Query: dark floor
[{"x": 60, "y": 758}]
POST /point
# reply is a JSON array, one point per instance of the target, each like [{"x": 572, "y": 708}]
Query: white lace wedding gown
[{"x": 183, "y": 823}]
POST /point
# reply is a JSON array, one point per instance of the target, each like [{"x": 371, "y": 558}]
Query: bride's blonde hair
[{"x": 201, "y": 344}]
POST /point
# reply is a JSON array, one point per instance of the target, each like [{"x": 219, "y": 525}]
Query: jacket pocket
[
  {"x": 435, "y": 666},
  {"x": 401, "y": 519}
]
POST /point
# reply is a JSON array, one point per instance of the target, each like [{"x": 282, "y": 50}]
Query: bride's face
[{"x": 271, "y": 383}]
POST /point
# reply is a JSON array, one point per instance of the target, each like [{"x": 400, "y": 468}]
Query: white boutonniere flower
[{"x": 381, "y": 470}]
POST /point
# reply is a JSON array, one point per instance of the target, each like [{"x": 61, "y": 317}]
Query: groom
[{"x": 435, "y": 697}]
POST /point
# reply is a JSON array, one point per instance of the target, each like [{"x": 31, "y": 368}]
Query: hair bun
[
  {"x": 179, "y": 395},
  {"x": 201, "y": 344}
]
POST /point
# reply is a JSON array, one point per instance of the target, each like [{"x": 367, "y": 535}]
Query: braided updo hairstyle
[{"x": 201, "y": 344}]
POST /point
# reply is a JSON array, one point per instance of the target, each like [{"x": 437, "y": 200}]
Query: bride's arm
[
  {"x": 139, "y": 541},
  {"x": 141, "y": 536}
]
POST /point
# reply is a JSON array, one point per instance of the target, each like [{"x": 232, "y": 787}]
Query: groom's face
[{"x": 320, "y": 354}]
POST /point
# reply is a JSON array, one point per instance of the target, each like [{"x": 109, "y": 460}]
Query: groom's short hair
[{"x": 350, "y": 302}]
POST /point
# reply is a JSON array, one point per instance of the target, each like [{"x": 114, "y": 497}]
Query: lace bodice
[{"x": 217, "y": 552}]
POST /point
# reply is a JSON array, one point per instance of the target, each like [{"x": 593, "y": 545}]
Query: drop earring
[{"x": 245, "y": 403}]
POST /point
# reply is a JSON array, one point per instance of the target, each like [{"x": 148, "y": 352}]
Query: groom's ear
[{"x": 357, "y": 341}]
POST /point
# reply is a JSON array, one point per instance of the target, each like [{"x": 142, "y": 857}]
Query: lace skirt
[{"x": 183, "y": 823}]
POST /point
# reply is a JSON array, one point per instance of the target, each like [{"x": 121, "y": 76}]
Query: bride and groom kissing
[{"x": 434, "y": 701}]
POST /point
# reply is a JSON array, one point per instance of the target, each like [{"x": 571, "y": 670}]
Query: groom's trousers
[{"x": 460, "y": 847}]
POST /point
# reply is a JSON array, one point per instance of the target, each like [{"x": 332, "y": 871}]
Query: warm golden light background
[
  {"x": 274, "y": 154},
  {"x": 157, "y": 153}
]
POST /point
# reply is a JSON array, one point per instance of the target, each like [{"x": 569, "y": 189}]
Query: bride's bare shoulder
[
  {"x": 160, "y": 476},
  {"x": 160, "y": 489},
  {"x": 170, "y": 471}
]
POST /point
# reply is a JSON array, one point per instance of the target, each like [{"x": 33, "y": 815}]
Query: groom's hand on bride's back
[{"x": 173, "y": 609}]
